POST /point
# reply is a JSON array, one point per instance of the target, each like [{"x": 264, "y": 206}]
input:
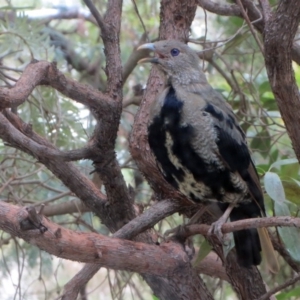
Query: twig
[
  {"x": 245, "y": 224},
  {"x": 280, "y": 287},
  {"x": 95, "y": 13},
  {"x": 245, "y": 15},
  {"x": 140, "y": 18}
]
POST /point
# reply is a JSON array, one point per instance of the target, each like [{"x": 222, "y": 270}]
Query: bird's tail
[
  {"x": 247, "y": 242},
  {"x": 250, "y": 242},
  {"x": 268, "y": 250}
]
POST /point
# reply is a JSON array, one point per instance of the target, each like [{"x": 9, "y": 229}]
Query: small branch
[
  {"x": 280, "y": 287},
  {"x": 72, "y": 288},
  {"x": 39, "y": 146},
  {"x": 78, "y": 183},
  {"x": 73, "y": 206},
  {"x": 245, "y": 224},
  {"x": 77, "y": 61},
  {"x": 220, "y": 9},
  {"x": 96, "y": 14},
  {"x": 245, "y": 16},
  {"x": 212, "y": 266},
  {"x": 139, "y": 16},
  {"x": 148, "y": 219},
  {"x": 280, "y": 248}
]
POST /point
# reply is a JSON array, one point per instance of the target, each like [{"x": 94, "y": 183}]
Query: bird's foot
[{"x": 216, "y": 229}]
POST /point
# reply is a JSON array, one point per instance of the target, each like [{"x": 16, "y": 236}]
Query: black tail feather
[{"x": 246, "y": 241}]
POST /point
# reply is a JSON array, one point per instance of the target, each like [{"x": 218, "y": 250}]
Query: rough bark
[{"x": 278, "y": 36}]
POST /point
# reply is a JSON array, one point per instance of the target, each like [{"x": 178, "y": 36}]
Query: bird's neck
[{"x": 191, "y": 80}]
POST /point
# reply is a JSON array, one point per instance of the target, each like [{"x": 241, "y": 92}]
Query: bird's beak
[{"x": 151, "y": 47}]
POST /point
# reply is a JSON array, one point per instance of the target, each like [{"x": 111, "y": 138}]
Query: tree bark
[{"x": 278, "y": 36}]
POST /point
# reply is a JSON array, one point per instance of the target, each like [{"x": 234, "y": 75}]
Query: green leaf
[
  {"x": 292, "y": 191},
  {"x": 264, "y": 87},
  {"x": 295, "y": 292},
  {"x": 262, "y": 142},
  {"x": 274, "y": 187},
  {"x": 283, "y": 162},
  {"x": 203, "y": 252},
  {"x": 289, "y": 235}
]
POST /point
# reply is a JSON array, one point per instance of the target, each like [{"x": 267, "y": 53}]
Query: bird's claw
[{"x": 216, "y": 229}]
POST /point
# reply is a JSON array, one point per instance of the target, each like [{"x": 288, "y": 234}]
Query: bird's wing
[{"x": 232, "y": 147}]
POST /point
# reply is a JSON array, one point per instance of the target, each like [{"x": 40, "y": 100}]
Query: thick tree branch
[
  {"x": 32, "y": 76},
  {"x": 94, "y": 248},
  {"x": 279, "y": 34},
  {"x": 29, "y": 145},
  {"x": 45, "y": 73},
  {"x": 141, "y": 223}
]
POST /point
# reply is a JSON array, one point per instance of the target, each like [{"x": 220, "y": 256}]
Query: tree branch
[
  {"x": 280, "y": 287},
  {"x": 141, "y": 223},
  {"x": 253, "y": 14},
  {"x": 96, "y": 14},
  {"x": 45, "y": 73},
  {"x": 278, "y": 39},
  {"x": 148, "y": 219},
  {"x": 94, "y": 248},
  {"x": 220, "y": 9},
  {"x": 244, "y": 224}
]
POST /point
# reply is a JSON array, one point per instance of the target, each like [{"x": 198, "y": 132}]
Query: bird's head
[{"x": 176, "y": 59}]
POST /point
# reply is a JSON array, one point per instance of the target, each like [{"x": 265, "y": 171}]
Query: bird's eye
[{"x": 175, "y": 52}]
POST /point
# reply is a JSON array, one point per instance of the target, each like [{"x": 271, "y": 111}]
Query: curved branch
[
  {"x": 45, "y": 73},
  {"x": 96, "y": 14},
  {"x": 220, "y": 9},
  {"x": 32, "y": 76},
  {"x": 94, "y": 248}
]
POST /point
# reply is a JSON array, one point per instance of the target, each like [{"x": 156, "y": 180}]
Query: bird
[{"x": 201, "y": 150}]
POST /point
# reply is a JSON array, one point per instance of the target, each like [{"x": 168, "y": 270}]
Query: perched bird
[{"x": 201, "y": 149}]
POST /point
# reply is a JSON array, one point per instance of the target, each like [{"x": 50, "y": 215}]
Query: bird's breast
[{"x": 188, "y": 160}]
